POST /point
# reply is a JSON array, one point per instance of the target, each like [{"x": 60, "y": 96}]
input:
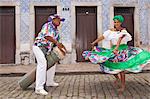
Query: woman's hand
[
  {"x": 115, "y": 51},
  {"x": 92, "y": 45},
  {"x": 96, "y": 41}
]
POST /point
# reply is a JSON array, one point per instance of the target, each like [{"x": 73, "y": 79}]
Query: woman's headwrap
[
  {"x": 119, "y": 18},
  {"x": 50, "y": 18}
]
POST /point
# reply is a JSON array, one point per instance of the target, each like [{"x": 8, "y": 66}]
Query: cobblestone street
[{"x": 81, "y": 86}]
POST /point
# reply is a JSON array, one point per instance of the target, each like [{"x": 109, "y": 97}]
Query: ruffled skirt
[{"x": 129, "y": 58}]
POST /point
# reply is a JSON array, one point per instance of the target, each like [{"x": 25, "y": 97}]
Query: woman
[
  {"x": 47, "y": 38},
  {"x": 119, "y": 57}
]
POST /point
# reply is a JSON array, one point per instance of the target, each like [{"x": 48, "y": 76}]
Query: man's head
[{"x": 56, "y": 19}]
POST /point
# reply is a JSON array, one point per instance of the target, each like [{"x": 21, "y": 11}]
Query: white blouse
[{"x": 113, "y": 37}]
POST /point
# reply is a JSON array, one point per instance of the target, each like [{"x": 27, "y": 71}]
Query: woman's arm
[
  {"x": 118, "y": 43},
  {"x": 98, "y": 40}
]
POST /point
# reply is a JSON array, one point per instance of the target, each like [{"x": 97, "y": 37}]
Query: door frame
[
  {"x": 17, "y": 28},
  {"x": 32, "y": 21},
  {"x": 148, "y": 7},
  {"x": 136, "y": 19},
  {"x": 73, "y": 22}
]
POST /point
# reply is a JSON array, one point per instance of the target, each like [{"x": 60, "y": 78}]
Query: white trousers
[{"x": 42, "y": 75}]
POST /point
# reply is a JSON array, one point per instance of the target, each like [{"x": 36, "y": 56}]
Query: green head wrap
[{"x": 119, "y": 18}]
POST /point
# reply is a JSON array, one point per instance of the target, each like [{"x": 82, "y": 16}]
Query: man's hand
[{"x": 61, "y": 47}]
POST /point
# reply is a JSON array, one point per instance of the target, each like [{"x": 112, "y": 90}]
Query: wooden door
[
  {"x": 128, "y": 14},
  {"x": 86, "y": 29},
  {"x": 7, "y": 35},
  {"x": 41, "y": 16}
]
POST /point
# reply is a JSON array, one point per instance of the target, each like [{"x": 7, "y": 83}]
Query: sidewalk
[{"x": 61, "y": 68}]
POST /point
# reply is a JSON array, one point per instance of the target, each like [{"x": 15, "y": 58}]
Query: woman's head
[{"x": 118, "y": 20}]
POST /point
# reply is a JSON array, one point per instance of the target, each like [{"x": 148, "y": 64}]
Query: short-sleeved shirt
[{"x": 48, "y": 29}]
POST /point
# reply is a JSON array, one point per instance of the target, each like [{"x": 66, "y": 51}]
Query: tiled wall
[
  {"x": 66, "y": 27},
  {"x": 24, "y": 37}
]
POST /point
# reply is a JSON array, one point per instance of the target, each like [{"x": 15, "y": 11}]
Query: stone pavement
[
  {"x": 85, "y": 86},
  {"x": 77, "y": 81}
]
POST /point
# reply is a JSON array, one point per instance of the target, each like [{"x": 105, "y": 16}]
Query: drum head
[{"x": 58, "y": 52}]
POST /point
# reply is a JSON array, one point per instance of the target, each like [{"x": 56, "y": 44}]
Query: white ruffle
[
  {"x": 126, "y": 38},
  {"x": 107, "y": 34},
  {"x": 115, "y": 35}
]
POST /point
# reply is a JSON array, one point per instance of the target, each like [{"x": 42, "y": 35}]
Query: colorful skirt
[{"x": 129, "y": 58}]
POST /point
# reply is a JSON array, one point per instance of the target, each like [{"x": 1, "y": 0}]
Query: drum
[{"x": 53, "y": 57}]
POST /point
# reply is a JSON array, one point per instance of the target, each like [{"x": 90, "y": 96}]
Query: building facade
[{"x": 21, "y": 20}]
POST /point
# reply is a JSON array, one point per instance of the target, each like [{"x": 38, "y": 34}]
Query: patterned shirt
[{"x": 48, "y": 29}]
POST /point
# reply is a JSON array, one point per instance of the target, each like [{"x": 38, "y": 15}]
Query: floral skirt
[{"x": 129, "y": 58}]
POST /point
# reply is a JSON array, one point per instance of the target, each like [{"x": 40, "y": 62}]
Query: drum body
[{"x": 53, "y": 57}]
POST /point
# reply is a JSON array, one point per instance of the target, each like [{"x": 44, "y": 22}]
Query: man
[{"x": 47, "y": 38}]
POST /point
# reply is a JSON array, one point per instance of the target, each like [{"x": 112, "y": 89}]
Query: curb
[{"x": 66, "y": 73}]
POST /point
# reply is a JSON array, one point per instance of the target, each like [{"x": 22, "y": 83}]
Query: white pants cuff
[{"x": 50, "y": 75}]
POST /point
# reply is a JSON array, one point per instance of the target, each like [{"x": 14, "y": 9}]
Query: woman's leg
[
  {"x": 117, "y": 79},
  {"x": 116, "y": 76},
  {"x": 122, "y": 76}
]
